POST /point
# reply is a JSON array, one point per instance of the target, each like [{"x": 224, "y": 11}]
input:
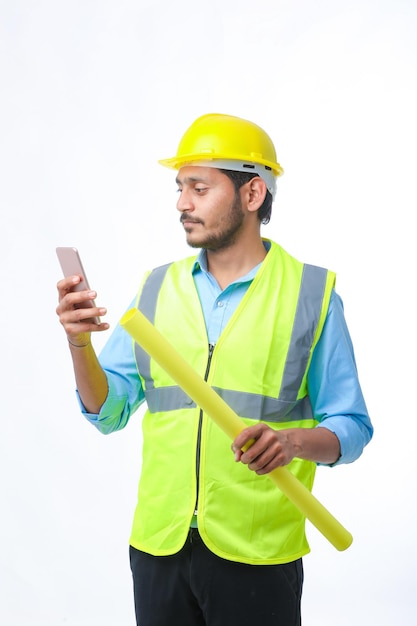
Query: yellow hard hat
[{"x": 225, "y": 138}]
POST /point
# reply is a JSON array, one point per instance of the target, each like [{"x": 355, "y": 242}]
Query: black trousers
[{"x": 197, "y": 588}]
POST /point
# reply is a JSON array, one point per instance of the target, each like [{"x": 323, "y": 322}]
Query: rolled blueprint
[{"x": 151, "y": 340}]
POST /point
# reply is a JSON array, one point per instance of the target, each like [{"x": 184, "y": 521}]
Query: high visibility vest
[{"x": 259, "y": 367}]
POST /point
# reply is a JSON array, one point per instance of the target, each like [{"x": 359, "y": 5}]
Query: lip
[{"x": 187, "y": 222}]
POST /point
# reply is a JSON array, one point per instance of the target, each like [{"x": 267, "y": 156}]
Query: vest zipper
[{"x": 200, "y": 424}]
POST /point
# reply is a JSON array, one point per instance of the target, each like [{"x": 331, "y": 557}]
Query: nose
[{"x": 184, "y": 202}]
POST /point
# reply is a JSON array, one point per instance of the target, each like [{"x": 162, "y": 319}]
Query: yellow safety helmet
[{"x": 228, "y": 142}]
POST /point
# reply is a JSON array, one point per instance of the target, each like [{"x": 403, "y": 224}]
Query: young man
[{"x": 214, "y": 542}]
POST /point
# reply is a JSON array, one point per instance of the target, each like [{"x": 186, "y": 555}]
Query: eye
[{"x": 200, "y": 189}]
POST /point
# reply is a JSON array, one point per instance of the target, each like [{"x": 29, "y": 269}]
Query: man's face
[{"x": 211, "y": 211}]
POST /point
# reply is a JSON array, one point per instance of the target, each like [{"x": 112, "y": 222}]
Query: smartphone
[{"x": 71, "y": 265}]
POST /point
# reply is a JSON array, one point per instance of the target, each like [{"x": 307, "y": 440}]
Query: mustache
[{"x": 186, "y": 218}]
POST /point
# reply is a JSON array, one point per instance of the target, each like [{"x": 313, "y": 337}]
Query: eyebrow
[{"x": 190, "y": 179}]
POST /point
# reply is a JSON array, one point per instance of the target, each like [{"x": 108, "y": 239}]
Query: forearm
[
  {"x": 314, "y": 444},
  {"x": 90, "y": 377}
]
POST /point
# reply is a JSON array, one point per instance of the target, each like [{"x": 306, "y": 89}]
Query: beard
[{"x": 224, "y": 235}]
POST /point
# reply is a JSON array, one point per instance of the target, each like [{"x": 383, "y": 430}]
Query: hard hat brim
[{"x": 180, "y": 161}]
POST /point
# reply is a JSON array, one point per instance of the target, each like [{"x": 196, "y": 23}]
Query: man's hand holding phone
[{"x": 77, "y": 310}]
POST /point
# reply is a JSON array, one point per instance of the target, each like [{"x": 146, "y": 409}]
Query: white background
[{"x": 93, "y": 93}]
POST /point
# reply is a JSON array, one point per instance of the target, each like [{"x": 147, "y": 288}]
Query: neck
[{"x": 229, "y": 264}]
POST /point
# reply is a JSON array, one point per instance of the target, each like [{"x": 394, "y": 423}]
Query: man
[{"x": 214, "y": 542}]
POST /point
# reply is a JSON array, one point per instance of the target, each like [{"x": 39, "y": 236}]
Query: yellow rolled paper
[{"x": 151, "y": 340}]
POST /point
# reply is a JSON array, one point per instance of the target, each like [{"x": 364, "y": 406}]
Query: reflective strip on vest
[
  {"x": 285, "y": 407},
  {"x": 147, "y": 305},
  {"x": 310, "y": 300}
]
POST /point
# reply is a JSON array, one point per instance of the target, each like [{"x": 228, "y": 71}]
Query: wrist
[
  {"x": 78, "y": 345},
  {"x": 295, "y": 438}
]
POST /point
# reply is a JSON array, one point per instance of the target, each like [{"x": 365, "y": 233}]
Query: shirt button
[{"x": 220, "y": 303}]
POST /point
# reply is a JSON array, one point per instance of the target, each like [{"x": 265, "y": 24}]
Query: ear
[{"x": 255, "y": 192}]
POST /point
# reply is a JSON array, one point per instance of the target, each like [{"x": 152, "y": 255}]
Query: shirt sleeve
[
  {"x": 334, "y": 389},
  {"x": 125, "y": 393}
]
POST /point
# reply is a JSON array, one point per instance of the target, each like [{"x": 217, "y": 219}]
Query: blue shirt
[{"x": 334, "y": 390}]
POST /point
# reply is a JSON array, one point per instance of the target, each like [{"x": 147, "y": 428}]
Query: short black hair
[{"x": 241, "y": 178}]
